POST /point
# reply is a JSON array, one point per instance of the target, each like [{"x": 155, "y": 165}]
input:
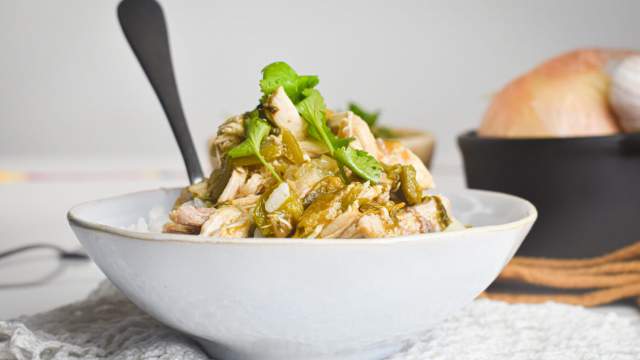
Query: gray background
[{"x": 70, "y": 86}]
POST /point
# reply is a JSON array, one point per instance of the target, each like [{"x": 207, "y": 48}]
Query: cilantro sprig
[
  {"x": 311, "y": 106},
  {"x": 256, "y": 130},
  {"x": 360, "y": 162},
  {"x": 281, "y": 74},
  {"x": 312, "y": 109}
]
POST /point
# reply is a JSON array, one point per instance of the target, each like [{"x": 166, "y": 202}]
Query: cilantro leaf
[
  {"x": 337, "y": 141},
  {"x": 281, "y": 74},
  {"x": 360, "y": 162},
  {"x": 243, "y": 149},
  {"x": 256, "y": 130},
  {"x": 312, "y": 109},
  {"x": 369, "y": 117}
]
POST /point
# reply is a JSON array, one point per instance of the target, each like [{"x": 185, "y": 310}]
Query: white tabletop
[{"x": 35, "y": 212}]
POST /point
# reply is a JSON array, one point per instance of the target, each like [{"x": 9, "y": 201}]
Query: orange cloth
[{"x": 604, "y": 279}]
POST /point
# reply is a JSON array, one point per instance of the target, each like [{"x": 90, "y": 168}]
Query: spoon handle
[{"x": 143, "y": 24}]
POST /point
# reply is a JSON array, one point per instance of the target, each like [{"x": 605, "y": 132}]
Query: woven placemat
[{"x": 107, "y": 325}]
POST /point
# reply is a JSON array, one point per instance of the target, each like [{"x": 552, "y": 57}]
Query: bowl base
[{"x": 274, "y": 351}]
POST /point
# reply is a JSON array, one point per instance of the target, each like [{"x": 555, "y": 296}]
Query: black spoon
[{"x": 145, "y": 29}]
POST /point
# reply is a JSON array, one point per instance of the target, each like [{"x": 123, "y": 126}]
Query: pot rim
[{"x": 613, "y": 139}]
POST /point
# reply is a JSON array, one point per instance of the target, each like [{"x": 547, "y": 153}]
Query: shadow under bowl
[{"x": 587, "y": 189}]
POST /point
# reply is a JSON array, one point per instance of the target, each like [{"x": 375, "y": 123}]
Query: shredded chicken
[
  {"x": 370, "y": 226},
  {"x": 187, "y": 214},
  {"x": 230, "y": 134},
  {"x": 284, "y": 114},
  {"x": 421, "y": 218},
  {"x": 237, "y": 179},
  {"x": 393, "y": 152},
  {"x": 378, "y": 193},
  {"x": 312, "y": 147},
  {"x": 341, "y": 223},
  {"x": 227, "y": 221},
  {"x": 174, "y": 228},
  {"x": 246, "y": 203},
  {"x": 254, "y": 184},
  {"x": 347, "y": 124}
]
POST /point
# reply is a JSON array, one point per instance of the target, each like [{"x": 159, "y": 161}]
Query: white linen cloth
[{"x": 108, "y": 326}]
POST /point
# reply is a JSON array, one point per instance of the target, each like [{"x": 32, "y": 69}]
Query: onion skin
[
  {"x": 625, "y": 93},
  {"x": 566, "y": 96}
]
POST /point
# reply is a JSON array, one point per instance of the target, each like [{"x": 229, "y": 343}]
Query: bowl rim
[
  {"x": 76, "y": 220},
  {"x": 614, "y": 139},
  {"x": 409, "y": 133}
]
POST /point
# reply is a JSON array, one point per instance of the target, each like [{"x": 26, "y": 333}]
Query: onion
[
  {"x": 625, "y": 93},
  {"x": 564, "y": 97}
]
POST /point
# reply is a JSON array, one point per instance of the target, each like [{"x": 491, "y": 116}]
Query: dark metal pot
[{"x": 587, "y": 190}]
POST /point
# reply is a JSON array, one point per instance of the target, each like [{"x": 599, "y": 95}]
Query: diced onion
[{"x": 278, "y": 197}]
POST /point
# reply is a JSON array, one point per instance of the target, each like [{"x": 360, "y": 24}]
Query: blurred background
[
  {"x": 79, "y": 121},
  {"x": 71, "y": 86}
]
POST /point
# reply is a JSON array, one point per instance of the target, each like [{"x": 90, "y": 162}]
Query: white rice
[{"x": 154, "y": 222}]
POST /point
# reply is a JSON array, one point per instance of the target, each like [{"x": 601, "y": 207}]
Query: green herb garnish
[
  {"x": 281, "y": 74},
  {"x": 312, "y": 109},
  {"x": 360, "y": 162},
  {"x": 256, "y": 130}
]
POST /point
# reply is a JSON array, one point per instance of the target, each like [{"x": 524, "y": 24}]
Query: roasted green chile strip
[{"x": 409, "y": 185}]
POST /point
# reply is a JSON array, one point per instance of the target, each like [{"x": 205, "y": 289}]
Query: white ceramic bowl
[{"x": 297, "y": 298}]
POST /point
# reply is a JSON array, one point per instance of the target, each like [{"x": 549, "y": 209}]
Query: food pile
[{"x": 293, "y": 168}]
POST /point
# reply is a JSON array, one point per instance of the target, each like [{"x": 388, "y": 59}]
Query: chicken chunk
[
  {"x": 174, "y": 228},
  {"x": 227, "y": 221},
  {"x": 312, "y": 147},
  {"x": 378, "y": 193},
  {"x": 393, "y": 152},
  {"x": 283, "y": 113},
  {"x": 230, "y": 134},
  {"x": 254, "y": 184},
  {"x": 187, "y": 214},
  {"x": 347, "y": 124},
  {"x": 246, "y": 203},
  {"x": 340, "y": 224},
  {"x": 237, "y": 179},
  {"x": 370, "y": 226},
  {"x": 429, "y": 216},
  {"x": 334, "y": 214}
]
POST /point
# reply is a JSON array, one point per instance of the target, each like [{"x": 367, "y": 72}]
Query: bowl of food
[
  {"x": 565, "y": 136},
  {"x": 311, "y": 239}
]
